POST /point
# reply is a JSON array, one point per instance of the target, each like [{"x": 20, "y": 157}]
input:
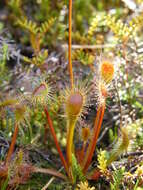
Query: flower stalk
[
  {"x": 55, "y": 140},
  {"x": 73, "y": 108},
  {"x": 96, "y": 131},
  {"x": 69, "y": 148},
  {"x": 12, "y": 145},
  {"x": 70, "y": 45}
]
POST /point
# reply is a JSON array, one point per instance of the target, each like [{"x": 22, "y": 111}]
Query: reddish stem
[
  {"x": 91, "y": 140},
  {"x": 92, "y": 145},
  {"x": 12, "y": 145},
  {"x": 69, "y": 43},
  {"x": 55, "y": 140}
]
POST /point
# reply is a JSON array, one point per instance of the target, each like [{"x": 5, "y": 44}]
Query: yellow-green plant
[
  {"x": 122, "y": 31},
  {"x": 36, "y": 33},
  {"x": 84, "y": 57}
]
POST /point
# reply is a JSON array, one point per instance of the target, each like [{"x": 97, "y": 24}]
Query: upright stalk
[
  {"x": 12, "y": 145},
  {"x": 70, "y": 44},
  {"x": 92, "y": 144},
  {"x": 55, "y": 140},
  {"x": 69, "y": 148}
]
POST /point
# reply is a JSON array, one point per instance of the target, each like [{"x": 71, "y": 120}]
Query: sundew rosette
[
  {"x": 101, "y": 92},
  {"x": 41, "y": 94},
  {"x": 105, "y": 68},
  {"x": 104, "y": 74},
  {"x": 75, "y": 102},
  {"x": 107, "y": 71}
]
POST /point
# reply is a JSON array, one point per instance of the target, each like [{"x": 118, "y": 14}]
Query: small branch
[
  {"x": 137, "y": 153},
  {"x": 92, "y": 47},
  {"x": 49, "y": 182},
  {"x": 103, "y": 133}
]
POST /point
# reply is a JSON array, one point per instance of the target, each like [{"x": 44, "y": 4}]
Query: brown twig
[
  {"x": 92, "y": 47},
  {"x": 137, "y": 153},
  {"x": 50, "y": 181},
  {"x": 49, "y": 171}
]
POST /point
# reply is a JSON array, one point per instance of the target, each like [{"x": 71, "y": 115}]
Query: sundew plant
[{"x": 71, "y": 95}]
